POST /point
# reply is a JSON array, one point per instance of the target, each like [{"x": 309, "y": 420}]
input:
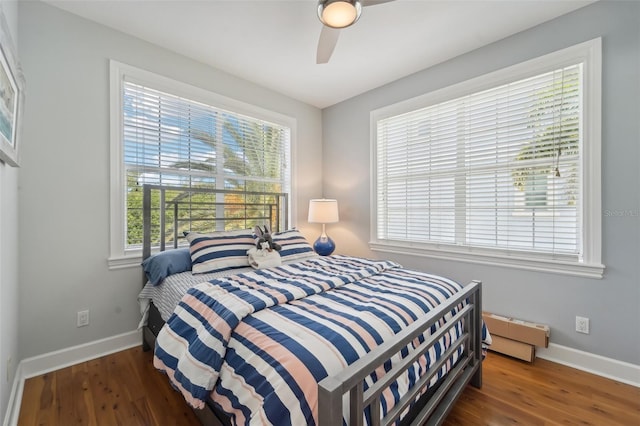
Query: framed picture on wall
[{"x": 11, "y": 97}]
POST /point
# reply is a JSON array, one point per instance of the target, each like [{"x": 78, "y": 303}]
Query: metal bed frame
[
  {"x": 275, "y": 209},
  {"x": 428, "y": 407},
  {"x": 434, "y": 410}
]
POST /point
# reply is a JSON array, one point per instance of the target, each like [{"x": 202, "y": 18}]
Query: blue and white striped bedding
[
  {"x": 258, "y": 343},
  {"x": 167, "y": 294}
]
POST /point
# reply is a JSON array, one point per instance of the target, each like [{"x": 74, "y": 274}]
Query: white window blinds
[
  {"x": 498, "y": 169},
  {"x": 174, "y": 141}
]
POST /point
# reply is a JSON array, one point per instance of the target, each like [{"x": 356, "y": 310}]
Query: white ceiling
[{"x": 273, "y": 43}]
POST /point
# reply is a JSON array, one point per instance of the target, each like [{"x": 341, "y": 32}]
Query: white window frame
[
  {"x": 119, "y": 256},
  {"x": 590, "y": 265}
]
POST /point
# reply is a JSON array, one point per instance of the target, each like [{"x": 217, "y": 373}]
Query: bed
[{"x": 317, "y": 340}]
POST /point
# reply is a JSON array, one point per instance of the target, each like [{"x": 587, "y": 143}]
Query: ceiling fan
[{"x": 334, "y": 15}]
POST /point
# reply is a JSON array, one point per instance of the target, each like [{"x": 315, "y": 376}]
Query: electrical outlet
[
  {"x": 582, "y": 325},
  {"x": 83, "y": 318}
]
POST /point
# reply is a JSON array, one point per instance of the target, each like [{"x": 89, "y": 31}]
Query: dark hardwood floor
[{"x": 125, "y": 389}]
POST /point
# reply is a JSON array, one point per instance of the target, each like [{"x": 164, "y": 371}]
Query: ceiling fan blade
[
  {"x": 326, "y": 44},
  {"x": 374, "y": 2}
]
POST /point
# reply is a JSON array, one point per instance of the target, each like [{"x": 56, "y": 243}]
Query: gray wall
[
  {"x": 613, "y": 303},
  {"x": 8, "y": 253},
  {"x": 64, "y": 179}
]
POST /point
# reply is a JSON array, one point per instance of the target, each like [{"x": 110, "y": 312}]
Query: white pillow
[
  {"x": 293, "y": 245},
  {"x": 219, "y": 251}
]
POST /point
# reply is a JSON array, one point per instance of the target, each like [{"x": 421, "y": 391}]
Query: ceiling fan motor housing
[{"x": 339, "y": 13}]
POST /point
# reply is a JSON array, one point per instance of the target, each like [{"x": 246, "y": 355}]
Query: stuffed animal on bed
[
  {"x": 265, "y": 253},
  {"x": 265, "y": 241}
]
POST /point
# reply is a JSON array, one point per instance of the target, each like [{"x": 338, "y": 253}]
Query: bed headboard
[{"x": 168, "y": 211}]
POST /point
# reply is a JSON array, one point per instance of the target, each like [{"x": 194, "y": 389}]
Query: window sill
[
  {"x": 517, "y": 261},
  {"x": 122, "y": 262}
]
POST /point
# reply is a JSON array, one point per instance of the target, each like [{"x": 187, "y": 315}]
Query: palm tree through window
[{"x": 173, "y": 141}]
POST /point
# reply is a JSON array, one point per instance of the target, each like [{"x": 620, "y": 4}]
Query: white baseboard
[
  {"x": 620, "y": 371},
  {"x": 52, "y": 361},
  {"x": 15, "y": 399},
  {"x": 41, "y": 364}
]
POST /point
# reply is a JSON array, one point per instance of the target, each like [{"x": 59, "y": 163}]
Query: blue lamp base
[{"x": 324, "y": 245}]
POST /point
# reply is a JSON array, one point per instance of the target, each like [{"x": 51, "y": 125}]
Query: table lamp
[{"x": 323, "y": 211}]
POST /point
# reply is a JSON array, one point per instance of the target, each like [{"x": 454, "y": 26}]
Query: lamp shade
[
  {"x": 323, "y": 211},
  {"x": 339, "y": 13}
]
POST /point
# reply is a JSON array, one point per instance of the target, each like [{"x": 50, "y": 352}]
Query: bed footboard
[{"x": 468, "y": 369}]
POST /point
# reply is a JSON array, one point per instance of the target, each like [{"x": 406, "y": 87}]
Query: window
[
  {"x": 501, "y": 169},
  {"x": 167, "y": 133}
]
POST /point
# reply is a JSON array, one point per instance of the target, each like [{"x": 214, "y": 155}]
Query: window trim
[
  {"x": 590, "y": 53},
  {"x": 120, "y": 257}
]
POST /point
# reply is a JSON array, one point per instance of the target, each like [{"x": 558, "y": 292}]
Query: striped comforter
[{"x": 257, "y": 343}]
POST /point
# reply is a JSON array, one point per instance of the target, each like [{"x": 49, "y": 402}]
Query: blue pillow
[{"x": 161, "y": 265}]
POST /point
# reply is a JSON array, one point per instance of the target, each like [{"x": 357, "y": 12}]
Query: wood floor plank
[
  {"x": 474, "y": 407},
  {"x": 81, "y": 393},
  {"x": 67, "y": 405},
  {"x": 103, "y": 408},
  {"x": 46, "y": 407},
  {"x": 125, "y": 389},
  {"x": 31, "y": 395}
]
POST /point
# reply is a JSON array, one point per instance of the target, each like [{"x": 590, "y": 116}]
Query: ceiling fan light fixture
[{"x": 339, "y": 13}]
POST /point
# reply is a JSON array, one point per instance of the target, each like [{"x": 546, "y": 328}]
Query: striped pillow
[
  {"x": 294, "y": 245},
  {"x": 219, "y": 251}
]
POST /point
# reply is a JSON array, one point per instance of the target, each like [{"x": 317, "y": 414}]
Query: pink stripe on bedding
[
  {"x": 293, "y": 365},
  {"x": 210, "y": 315}
]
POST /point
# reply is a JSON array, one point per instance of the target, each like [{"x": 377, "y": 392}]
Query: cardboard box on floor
[
  {"x": 518, "y": 330},
  {"x": 515, "y": 337},
  {"x": 523, "y": 351}
]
